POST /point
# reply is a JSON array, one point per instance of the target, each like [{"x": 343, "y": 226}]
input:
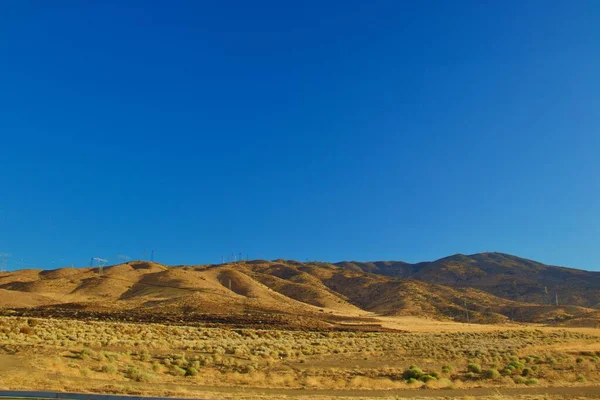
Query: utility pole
[
  {"x": 556, "y": 297},
  {"x": 4, "y": 261}
]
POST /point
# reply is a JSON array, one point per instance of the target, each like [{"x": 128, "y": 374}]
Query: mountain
[
  {"x": 320, "y": 294},
  {"x": 502, "y": 275}
]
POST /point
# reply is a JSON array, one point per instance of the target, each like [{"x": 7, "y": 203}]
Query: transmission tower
[
  {"x": 100, "y": 263},
  {"x": 3, "y": 261}
]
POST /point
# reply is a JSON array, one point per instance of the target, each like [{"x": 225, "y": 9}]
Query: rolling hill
[{"x": 462, "y": 288}]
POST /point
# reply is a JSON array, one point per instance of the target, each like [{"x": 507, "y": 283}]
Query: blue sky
[{"x": 299, "y": 130}]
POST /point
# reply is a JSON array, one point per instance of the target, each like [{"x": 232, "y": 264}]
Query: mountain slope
[
  {"x": 499, "y": 274},
  {"x": 317, "y": 290}
]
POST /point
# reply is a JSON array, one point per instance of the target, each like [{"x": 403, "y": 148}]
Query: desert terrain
[{"x": 279, "y": 329}]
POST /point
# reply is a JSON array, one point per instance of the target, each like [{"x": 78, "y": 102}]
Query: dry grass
[{"x": 51, "y": 353}]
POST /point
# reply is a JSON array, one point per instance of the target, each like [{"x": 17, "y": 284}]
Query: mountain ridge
[{"x": 500, "y": 274}]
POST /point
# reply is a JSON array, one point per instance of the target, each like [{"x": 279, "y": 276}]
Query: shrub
[
  {"x": 474, "y": 367},
  {"x": 191, "y": 372},
  {"x": 519, "y": 380},
  {"x": 426, "y": 378},
  {"x": 446, "y": 369},
  {"x": 109, "y": 369},
  {"x": 411, "y": 381},
  {"x": 137, "y": 375},
  {"x": 531, "y": 381},
  {"x": 32, "y": 322},
  {"x": 579, "y": 360},
  {"x": 412, "y": 372},
  {"x": 580, "y": 378},
  {"x": 145, "y": 356},
  {"x": 178, "y": 371},
  {"x": 27, "y": 330},
  {"x": 527, "y": 372},
  {"x": 492, "y": 374}
]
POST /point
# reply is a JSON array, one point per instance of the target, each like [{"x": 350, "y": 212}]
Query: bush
[
  {"x": 191, "y": 372},
  {"x": 474, "y": 367},
  {"x": 580, "y": 378},
  {"x": 531, "y": 381},
  {"x": 178, "y": 371},
  {"x": 137, "y": 375},
  {"x": 412, "y": 372},
  {"x": 32, "y": 322},
  {"x": 411, "y": 381},
  {"x": 427, "y": 378},
  {"x": 27, "y": 330},
  {"x": 519, "y": 380},
  {"x": 492, "y": 374},
  {"x": 527, "y": 372},
  {"x": 446, "y": 369},
  {"x": 109, "y": 369},
  {"x": 145, "y": 356}
]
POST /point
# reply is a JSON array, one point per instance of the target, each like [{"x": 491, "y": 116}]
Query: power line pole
[
  {"x": 101, "y": 262},
  {"x": 3, "y": 263}
]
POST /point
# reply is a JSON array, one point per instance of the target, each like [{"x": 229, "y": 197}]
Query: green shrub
[
  {"x": 516, "y": 365},
  {"x": 426, "y": 378},
  {"x": 531, "y": 381},
  {"x": 411, "y": 381},
  {"x": 492, "y": 374},
  {"x": 474, "y": 367},
  {"x": 579, "y": 360},
  {"x": 191, "y": 372},
  {"x": 519, "y": 380},
  {"x": 178, "y": 371},
  {"x": 412, "y": 372},
  {"x": 527, "y": 372},
  {"x": 580, "y": 378},
  {"x": 446, "y": 369}
]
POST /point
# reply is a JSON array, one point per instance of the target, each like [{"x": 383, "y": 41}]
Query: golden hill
[{"x": 318, "y": 291}]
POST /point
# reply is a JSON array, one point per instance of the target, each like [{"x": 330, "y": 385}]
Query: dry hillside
[
  {"x": 323, "y": 293},
  {"x": 499, "y": 274}
]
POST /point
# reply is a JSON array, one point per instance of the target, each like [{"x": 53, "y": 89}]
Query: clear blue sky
[{"x": 299, "y": 130}]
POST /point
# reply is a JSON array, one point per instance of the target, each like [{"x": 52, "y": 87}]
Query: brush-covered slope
[
  {"x": 499, "y": 274},
  {"x": 316, "y": 290}
]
